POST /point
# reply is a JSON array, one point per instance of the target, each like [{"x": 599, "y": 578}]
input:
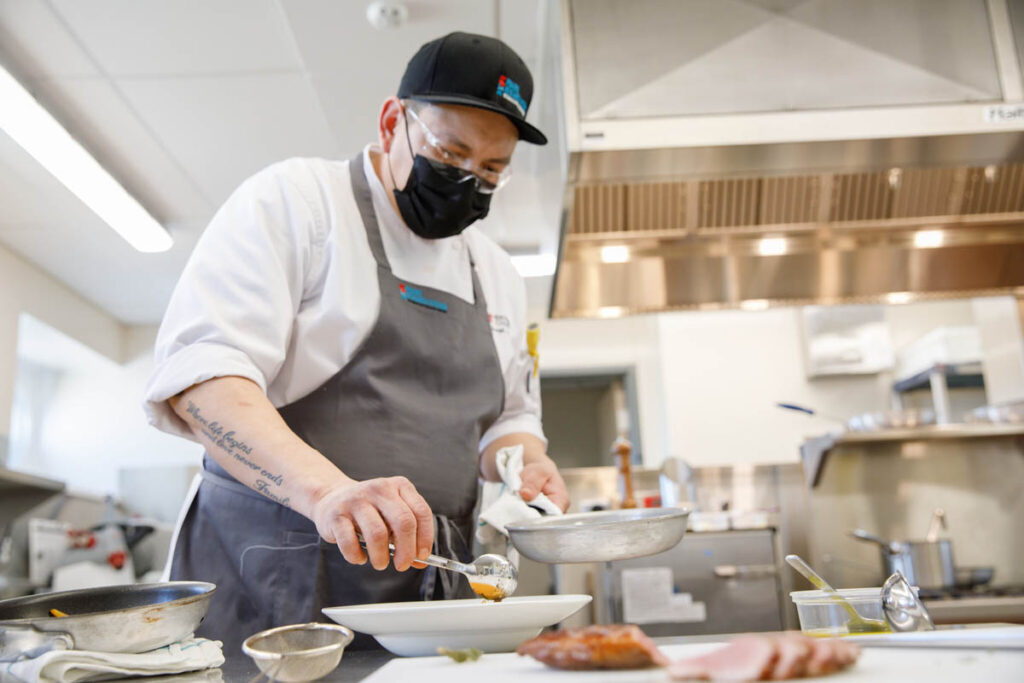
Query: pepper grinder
[{"x": 622, "y": 449}]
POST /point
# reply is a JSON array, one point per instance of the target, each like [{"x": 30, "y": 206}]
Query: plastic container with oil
[{"x": 821, "y": 614}]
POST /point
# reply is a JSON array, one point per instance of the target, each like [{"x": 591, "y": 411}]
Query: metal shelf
[
  {"x": 21, "y": 492},
  {"x": 968, "y": 375},
  {"x": 814, "y": 451},
  {"x": 948, "y": 431},
  {"x": 940, "y": 379}
]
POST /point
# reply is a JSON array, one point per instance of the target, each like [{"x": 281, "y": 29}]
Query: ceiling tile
[
  {"x": 36, "y": 43},
  {"x": 133, "y": 287},
  {"x": 103, "y": 121},
  {"x": 335, "y": 36},
  {"x": 224, "y": 129},
  {"x": 147, "y": 37}
]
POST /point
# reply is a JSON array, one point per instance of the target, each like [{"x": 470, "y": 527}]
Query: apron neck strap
[{"x": 364, "y": 202}]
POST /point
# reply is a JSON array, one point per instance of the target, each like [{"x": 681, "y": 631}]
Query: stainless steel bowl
[
  {"x": 299, "y": 652},
  {"x": 599, "y": 536}
]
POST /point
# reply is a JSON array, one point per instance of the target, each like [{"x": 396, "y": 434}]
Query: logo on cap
[{"x": 509, "y": 90}]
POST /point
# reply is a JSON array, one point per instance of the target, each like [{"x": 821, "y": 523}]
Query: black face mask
[{"x": 434, "y": 204}]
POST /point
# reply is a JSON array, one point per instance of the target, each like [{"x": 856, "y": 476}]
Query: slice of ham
[
  {"x": 747, "y": 658},
  {"x": 768, "y": 657},
  {"x": 615, "y": 646}
]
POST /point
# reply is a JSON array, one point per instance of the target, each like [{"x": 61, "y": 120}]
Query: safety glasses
[{"x": 453, "y": 165}]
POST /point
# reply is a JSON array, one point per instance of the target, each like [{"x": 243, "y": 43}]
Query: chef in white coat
[{"x": 352, "y": 353}]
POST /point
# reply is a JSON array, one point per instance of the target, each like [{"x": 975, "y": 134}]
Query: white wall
[
  {"x": 93, "y": 424},
  {"x": 708, "y": 382},
  {"x": 25, "y": 288},
  {"x": 586, "y": 345}
]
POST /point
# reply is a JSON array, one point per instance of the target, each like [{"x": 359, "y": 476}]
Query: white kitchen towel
[
  {"x": 74, "y": 666},
  {"x": 500, "y": 503}
]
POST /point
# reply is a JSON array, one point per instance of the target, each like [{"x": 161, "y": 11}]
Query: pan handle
[
  {"x": 25, "y": 642},
  {"x": 862, "y": 535}
]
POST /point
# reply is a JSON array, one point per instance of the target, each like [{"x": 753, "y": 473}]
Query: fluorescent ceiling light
[
  {"x": 615, "y": 253},
  {"x": 929, "y": 239},
  {"x": 534, "y": 265},
  {"x": 32, "y": 127},
  {"x": 772, "y": 246},
  {"x": 899, "y": 297}
]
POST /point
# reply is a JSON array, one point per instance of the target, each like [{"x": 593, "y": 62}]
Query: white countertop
[{"x": 875, "y": 664}]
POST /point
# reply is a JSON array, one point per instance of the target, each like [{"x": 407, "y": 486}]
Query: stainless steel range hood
[{"x": 690, "y": 186}]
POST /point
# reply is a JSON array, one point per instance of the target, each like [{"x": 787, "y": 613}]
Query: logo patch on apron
[{"x": 415, "y": 296}]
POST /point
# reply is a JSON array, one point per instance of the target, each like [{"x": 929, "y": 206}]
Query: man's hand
[
  {"x": 381, "y": 510},
  {"x": 541, "y": 476}
]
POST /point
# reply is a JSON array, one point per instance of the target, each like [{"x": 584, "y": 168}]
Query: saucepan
[
  {"x": 926, "y": 564},
  {"x": 134, "y": 618}
]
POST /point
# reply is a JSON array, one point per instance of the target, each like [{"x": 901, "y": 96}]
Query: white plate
[{"x": 415, "y": 629}]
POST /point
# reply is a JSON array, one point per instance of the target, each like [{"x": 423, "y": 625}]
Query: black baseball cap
[{"x": 476, "y": 71}]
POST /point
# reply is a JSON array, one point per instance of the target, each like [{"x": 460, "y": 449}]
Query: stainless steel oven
[{"x": 711, "y": 582}]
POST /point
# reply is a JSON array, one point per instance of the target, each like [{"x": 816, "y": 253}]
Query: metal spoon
[
  {"x": 857, "y": 623},
  {"x": 490, "y": 576},
  {"x": 902, "y": 608}
]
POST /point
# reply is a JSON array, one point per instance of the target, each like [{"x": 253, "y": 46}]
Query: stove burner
[{"x": 1012, "y": 591}]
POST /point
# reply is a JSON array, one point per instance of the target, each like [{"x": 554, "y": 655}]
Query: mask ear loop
[{"x": 408, "y": 141}]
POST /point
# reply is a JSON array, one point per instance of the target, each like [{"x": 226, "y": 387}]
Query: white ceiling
[{"x": 183, "y": 100}]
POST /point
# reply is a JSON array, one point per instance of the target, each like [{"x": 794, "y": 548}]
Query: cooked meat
[
  {"x": 794, "y": 650},
  {"x": 776, "y": 657},
  {"x": 747, "y": 658},
  {"x": 616, "y": 646}
]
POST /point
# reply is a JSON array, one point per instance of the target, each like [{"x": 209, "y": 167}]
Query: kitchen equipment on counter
[
  {"x": 873, "y": 421},
  {"x": 971, "y": 577},
  {"x": 926, "y": 564},
  {"x": 855, "y": 623},
  {"x": 1009, "y": 413},
  {"x": 902, "y": 608},
  {"x": 298, "y": 652},
  {"x": 622, "y": 452},
  {"x": 490, "y": 576},
  {"x": 133, "y": 618},
  {"x": 417, "y": 629},
  {"x": 820, "y": 613},
  {"x": 599, "y": 536}
]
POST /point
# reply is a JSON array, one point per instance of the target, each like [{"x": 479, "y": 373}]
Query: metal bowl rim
[
  {"x": 257, "y": 653},
  {"x": 209, "y": 589},
  {"x": 558, "y": 522}
]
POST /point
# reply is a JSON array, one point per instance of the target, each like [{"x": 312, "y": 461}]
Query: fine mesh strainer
[{"x": 299, "y": 652}]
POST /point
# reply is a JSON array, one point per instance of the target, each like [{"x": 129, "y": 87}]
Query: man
[{"x": 352, "y": 355}]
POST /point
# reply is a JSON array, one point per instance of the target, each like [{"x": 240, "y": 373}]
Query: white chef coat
[{"x": 282, "y": 289}]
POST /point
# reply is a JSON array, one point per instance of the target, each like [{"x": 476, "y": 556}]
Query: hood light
[{"x": 615, "y": 253}]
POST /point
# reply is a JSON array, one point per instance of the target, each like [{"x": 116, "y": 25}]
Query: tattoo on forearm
[
  {"x": 214, "y": 431},
  {"x": 264, "y": 488}
]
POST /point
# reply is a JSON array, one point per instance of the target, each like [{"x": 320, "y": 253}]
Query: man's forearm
[{"x": 246, "y": 435}]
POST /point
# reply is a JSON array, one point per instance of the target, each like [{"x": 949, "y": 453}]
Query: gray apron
[{"x": 414, "y": 401}]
